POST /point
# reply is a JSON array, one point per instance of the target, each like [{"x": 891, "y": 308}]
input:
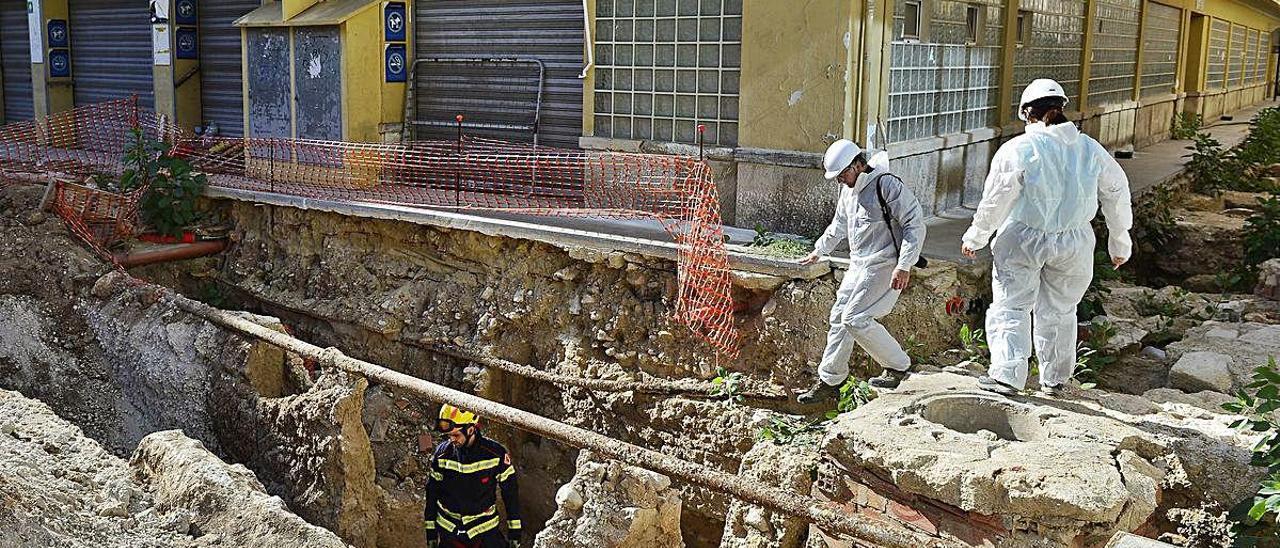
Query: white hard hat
[
  {"x": 839, "y": 157},
  {"x": 1039, "y": 89}
]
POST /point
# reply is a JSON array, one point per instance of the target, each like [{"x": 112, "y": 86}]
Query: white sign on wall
[
  {"x": 160, "y": 45},
  {"x": 35, "y": 29}
]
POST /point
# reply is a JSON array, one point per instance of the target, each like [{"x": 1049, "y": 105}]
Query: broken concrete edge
[{"x": 748, "y": 268}]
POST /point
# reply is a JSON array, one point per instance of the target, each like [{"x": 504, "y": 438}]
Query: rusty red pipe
[{"x": 172, "y": 253}]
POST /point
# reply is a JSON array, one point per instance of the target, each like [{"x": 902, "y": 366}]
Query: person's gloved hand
[{"x": 513, "y": 542}]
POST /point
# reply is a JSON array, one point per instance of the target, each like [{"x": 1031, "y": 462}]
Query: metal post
[
  {"x": 702, "y": 134},
  {"x": 457, "y": 173}
]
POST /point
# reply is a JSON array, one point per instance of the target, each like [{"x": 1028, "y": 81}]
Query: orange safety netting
[{"x": 466, "y": 174}]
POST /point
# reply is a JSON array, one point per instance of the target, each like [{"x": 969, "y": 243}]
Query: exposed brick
[
  {"x": 911, "y": 517},
  {"x": 426, "y": 443}
]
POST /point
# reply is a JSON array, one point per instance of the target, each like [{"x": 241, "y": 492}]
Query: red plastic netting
[{"x": 467, "y": 174}]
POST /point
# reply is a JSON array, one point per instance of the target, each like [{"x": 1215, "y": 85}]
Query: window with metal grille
[
  {"x": 1160, "y": 49},
  {"x": 1051, "y": 47},
  {"x": 665, "y": 66},
  {"x": 1114, "y": 62},
  {"x": 1235, "y": 57},
  {"x": 948, "y": 83},
  {"x": 1219, "y": 31}
]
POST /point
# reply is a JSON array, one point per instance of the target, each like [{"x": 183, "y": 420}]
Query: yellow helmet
[{"x": 451, "y": 417}]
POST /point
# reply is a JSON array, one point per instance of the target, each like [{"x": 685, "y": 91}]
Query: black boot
[
  {"x": 889, "y": 378},
  {"x": 819, "y": 392}
]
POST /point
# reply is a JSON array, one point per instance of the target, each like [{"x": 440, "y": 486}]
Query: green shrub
[
  {"x": 1186, "y": 125},
  {"x": 1262, "y": 233},
  {"x": 169, "y": 204},
  {"x": 1257, "y": 404}
]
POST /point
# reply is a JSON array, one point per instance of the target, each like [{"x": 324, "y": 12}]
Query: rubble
[
  {"x": 789, "y": 467},
  {"x": 1026, "y": 472},
  {"x": 1242, "y": 347},
  {"x": 612, "y": 505},
  {"x": 1269, "y": 280}
]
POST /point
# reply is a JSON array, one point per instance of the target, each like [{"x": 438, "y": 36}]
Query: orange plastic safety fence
[{"x": 466, "y": 174}]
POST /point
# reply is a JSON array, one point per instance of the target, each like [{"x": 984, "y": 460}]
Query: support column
[
  {"x": 52, "y": 94},
  {"x": 175, "y": 62}
]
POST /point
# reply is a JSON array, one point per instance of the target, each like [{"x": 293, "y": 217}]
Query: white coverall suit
[
  {"x": 866, "y": 294},
  {"x": 1044, "y": 188}
]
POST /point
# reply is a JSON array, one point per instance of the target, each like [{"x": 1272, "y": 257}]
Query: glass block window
[
  {"x": 665, "y": 66},
  {"x": 950, "y": 82},
  {"x": 1250, "y": 56},
  {"x": 1264, "y": 55},
  {"x": 1052, "y": 47},
  {"x": 1113, "y": 67},
  {"x": 1235, "y": 57},
  {"x": 1160, "y": 49},
  {"x": 1219, "y": 31}
]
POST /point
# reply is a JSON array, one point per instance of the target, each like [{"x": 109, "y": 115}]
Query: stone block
[{"x": 1197, "y": 371}]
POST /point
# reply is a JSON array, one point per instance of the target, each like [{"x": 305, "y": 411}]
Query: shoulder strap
[{"x": 884, "y": 210}]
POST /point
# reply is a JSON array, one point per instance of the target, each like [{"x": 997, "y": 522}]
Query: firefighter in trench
[{"x": 462, "y": 488}]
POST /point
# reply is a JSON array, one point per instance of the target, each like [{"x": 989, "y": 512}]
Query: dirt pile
[{"x": 223, "y": 501}]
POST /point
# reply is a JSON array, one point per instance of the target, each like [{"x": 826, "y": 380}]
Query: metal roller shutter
[
  {"x": 221, "y": 91},
  {"x": 15, "y": 61},
  {"x": 111, "y": 51},
  {"x": 550, "y": 30}
]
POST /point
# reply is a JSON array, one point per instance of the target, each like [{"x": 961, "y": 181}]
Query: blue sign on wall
[
  {"x": 58, "y": 36},
  {"x": 59, "y": 63},
  {"x": 188, "y": 44},
  {"x": 395, "y": 22},
  {"x": 184, "y": 12},
  {"x": 397, "y": 63}
]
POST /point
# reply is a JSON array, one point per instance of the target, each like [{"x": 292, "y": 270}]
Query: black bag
[{"x": 888, "y": 221}]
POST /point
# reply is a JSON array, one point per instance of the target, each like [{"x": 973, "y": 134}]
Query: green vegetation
[
  {"x": 1257, "y": 404},
  {"x": 773, "y": 245},
  {"x": 974, "y": 342},
  {"x": 727, "y": 385},
  {"x": 172, "y": 187},
  {"x": 1186, "y": 125}
]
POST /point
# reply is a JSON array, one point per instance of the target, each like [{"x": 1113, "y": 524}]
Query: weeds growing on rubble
[
  {"x": 1262, "y": 232},
  {"x": 1215, "y": 169},
  {"x": 772, "y": 245},
  {"x": 727, "y": 385},
  {"x": 975, "y": 345},
  {"x": 1257, "y": 403},
  {"x": 784, "y": 431},
  {"x": 169, "y": 205}
]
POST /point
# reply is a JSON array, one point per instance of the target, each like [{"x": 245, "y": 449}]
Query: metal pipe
[
  {"x": 171, "y": 253},
  {"x": 650, "y": 386},
  {"x": 746, "y": 489},
  {"x": 590, "y": 43}
]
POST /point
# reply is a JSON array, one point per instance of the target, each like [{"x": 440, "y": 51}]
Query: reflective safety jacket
[{"x": 462, "y": 490}]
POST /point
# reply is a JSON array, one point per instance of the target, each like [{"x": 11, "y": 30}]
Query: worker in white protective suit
[
  {"x": 881, "y": 219},
  {"x": 1043, "y": 190}
]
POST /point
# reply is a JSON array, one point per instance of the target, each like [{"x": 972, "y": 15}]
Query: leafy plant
[
  {"x": 1210, "y": 165},
  {"x": 974, "y": 342},
  {"x": 1091, "y": 355},
  {"x": 854, "y": 393},
  {"x": 784, "y": 431},
  {"x": 1257, "y": 408},
  {"x": 1151, "y": 303},
  {"x": 1186, "y": 125},
  {"x": 727, "y": 385},
  {"x": 169, "y": 204},
  {"x": 915, "y": 350},
  {"x": 1262, "y": 232}
]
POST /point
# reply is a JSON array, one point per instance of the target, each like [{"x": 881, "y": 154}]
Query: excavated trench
[
  {"x": 120, "y": 362},
  {"x": 112, "y": 358}
]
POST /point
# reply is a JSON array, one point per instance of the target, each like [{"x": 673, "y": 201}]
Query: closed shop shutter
[
  {"x": 549, "y": 30},
  {"x": 221, "y": 91},
  {"x": 111, "y": 51},
  {"x": 15, "y": 61}
]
